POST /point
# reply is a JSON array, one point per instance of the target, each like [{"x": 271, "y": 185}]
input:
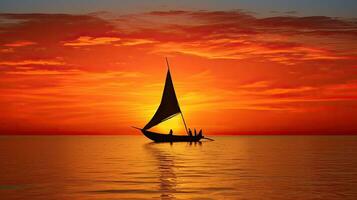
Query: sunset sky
[{"x": 239, "y": 67}]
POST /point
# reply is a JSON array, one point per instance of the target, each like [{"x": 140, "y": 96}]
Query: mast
[{"x": 183, "y": 119}]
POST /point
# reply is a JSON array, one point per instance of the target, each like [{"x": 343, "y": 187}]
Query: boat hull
[{"x": 159, "y": 137}]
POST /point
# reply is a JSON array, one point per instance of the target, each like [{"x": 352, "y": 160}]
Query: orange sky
[{"x": 233, "y": 72}]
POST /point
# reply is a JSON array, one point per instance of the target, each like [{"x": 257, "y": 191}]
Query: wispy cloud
[
  {"x": 20, "y": 44},
  {"x": 88, "y": 41},
  {"x": 36, "y": 72},
  {"x": 238, "y": 35},
  {"x": 32, "y": 62}
]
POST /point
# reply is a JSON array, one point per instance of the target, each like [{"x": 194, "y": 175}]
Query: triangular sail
[{"x": 169, "y": 106}]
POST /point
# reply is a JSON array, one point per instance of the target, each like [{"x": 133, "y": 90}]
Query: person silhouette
[
  {"x": 170, "y": 132},
  {"x": 200, "y": 133},
  {"x": 195, "y": 132},
  {"x": 189, "y": 132}
]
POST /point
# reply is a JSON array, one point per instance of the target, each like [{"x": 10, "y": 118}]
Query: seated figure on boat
[
  {"x": 189, "y": 132},
  {"x": 200, "y": 134}
]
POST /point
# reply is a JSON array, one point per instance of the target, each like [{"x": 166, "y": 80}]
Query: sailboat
[{"x": 169, "y": 107}]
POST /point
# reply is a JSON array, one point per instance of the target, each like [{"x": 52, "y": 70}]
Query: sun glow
[{"x": 175, "y": 123}]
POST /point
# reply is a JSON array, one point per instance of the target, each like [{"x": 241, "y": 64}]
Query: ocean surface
[{"x": 131, "y": 167}]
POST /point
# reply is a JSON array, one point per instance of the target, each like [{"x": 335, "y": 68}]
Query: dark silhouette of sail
[{"x": 169, "y": 106}]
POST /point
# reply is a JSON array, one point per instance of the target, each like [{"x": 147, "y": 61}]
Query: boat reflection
[{"x": 166, "y": 165}]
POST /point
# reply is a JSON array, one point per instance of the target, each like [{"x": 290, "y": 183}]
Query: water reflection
[
  {"x": 166, "y": 165},
  {"x": 128, "y": 167},
  {"x": 168, "y": 162}
]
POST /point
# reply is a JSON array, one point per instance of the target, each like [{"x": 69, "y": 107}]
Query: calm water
[{"x": 130, "y": 167}]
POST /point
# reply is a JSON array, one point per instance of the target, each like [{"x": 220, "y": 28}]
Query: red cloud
[
  {"x": 214, "y": 35},
  {"x": 240, "y": 35},
  {"x": 20, "y": 44},
  {"x": 88, "y": 41},
  {"x": 32, "y": 62},
  {"x": 51, "y": 28}
]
